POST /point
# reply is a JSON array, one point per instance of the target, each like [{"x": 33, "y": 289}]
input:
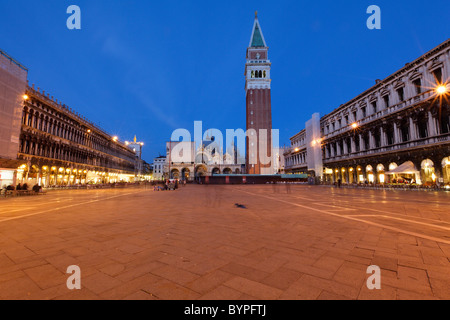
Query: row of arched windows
[
  {"x": 385, "y": 135},
  {"x": 75, "y": 133},
  {"x": 259, "y": 74},
  {"x": 29, "y": 146},
  {"x": 395, "y": 93},
  {"x": 296, "y": 159}
]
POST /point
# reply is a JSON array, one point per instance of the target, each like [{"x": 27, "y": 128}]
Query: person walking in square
[{"x": 288, "y": 187}]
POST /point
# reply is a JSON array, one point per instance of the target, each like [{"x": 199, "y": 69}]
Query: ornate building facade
[
  {"x": 398, "y": 130},
  {"x": 60, "y": 147},
  {"x": 186, "y": 161},
  {"x": 50, "y": 144}
]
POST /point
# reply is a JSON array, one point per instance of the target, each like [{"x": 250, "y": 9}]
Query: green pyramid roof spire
[{"x": 257, "y": 39}]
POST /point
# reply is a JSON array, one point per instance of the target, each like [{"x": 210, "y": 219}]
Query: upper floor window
[
  {"x": 366, "y": 142},
  {"x": 438, "y": 75},
  {"x": 445, "y": 121},
  {"x": 422, "y": 127},
  {"x": 364, "y": 112},
  {"x": 390, "y": 134},
  {"x": 354, "y": 116},
  {"x": 404, "y": 128},
  {"x": 346, "y": 120},
  {"x": 401, "y": 94},
  {"x": 377, "y": 138},
  {"x": 357, "y": 149},
  {"x": 386, "y": 101},
  {"x": 30, "y": 118},
  {"x": 418, "y": 86},
  {"x": 374, "y": 107}
]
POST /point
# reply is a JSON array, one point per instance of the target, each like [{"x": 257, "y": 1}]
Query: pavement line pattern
[
  {"x": 15, "y": 210},
  {"x": 334, "y": 206},
  {"x": 401, "y": 219},
  {"x": 399, "y": 214},
  {"x": 371, "y": 209},
  {"x": 66, "y": 207},
  {"x": 348, "y": 217}
]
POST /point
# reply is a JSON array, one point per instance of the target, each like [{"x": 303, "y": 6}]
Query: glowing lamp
[{"x": 441, "y": 89}]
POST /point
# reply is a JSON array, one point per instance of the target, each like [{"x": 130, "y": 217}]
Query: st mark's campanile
[{"x": 259, "y": 112}]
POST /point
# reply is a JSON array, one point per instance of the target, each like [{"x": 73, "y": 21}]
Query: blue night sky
[{"x": 146, "y": 68}]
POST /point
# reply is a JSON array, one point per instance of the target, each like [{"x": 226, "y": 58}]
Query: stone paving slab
[{"x": 194, "y": 243}]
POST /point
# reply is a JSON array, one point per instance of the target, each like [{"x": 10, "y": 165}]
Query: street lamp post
[{"x": 170, "y": 158}]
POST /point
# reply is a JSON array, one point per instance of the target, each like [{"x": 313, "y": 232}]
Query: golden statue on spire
[
  {"x": 134, "y": 139},
  {"x": 256, "y": 14}
]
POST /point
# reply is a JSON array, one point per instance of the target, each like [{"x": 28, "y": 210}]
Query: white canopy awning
[{"x": 406, "y": 168}]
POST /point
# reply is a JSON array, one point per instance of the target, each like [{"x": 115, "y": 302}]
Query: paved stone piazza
[{"x": 302, "y": 242}]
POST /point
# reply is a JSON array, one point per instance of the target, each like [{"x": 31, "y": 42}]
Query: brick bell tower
[{"x": 259, "y": 111}]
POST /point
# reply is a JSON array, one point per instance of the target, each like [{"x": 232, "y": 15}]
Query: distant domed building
[{"x": 185, "y": 161}]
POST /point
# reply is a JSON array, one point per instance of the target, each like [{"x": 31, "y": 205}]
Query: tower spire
[
  {"x": 259, "y": 109},
  {"x": 257, "y": 39}
]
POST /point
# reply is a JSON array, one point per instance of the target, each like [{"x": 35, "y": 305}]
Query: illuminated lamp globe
[{"x": 441, "y": 89}]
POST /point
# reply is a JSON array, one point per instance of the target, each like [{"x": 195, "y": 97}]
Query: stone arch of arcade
[
  {"x": 432, "y": 163},
  {"x": 201, "y": 170}
]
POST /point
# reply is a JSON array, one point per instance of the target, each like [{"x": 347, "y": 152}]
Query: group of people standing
[
  {"x": 168, "y": 185},
  {"x": 22, "y": 187},
  {"x": 18, "y": 187}
]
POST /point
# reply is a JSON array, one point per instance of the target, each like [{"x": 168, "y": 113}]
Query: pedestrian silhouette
[{"x": 288, "y": 187}]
